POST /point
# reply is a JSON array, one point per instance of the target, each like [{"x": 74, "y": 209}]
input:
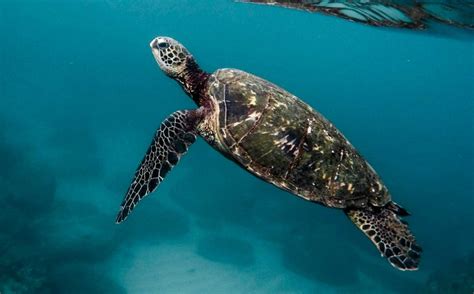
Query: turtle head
[{"x": 170, "y": 55}]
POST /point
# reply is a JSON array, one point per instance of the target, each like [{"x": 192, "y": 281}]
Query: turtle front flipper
[
  {"x": 389, "y": 233},
  {"x": 171, "y": 141}
]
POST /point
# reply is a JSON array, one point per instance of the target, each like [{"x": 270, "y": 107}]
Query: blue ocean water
[{"x": 81, "y": 97}]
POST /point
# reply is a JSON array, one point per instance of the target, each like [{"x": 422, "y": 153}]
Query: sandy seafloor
[{"x": 81, "y": 96}]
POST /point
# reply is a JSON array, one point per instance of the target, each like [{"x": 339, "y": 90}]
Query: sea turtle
[{"x": 278, "y": 138}]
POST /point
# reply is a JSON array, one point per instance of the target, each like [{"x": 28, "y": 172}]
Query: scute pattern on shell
[{"x": 284, "y": 141}]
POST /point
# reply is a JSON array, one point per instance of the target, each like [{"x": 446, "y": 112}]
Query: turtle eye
[{"x": 163, "y": 45}]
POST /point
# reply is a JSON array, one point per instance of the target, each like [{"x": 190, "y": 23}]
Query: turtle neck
[{"x": 193, "y": 79}]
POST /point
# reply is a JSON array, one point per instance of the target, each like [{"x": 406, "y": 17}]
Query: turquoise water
[{"x": 81, "y": 97}]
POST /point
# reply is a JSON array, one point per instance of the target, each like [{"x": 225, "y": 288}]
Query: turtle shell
[{"x": 282, "y": 140}]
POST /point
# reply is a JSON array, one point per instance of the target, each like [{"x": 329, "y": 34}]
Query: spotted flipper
[
  {"x": 389, "y": 233},
  {"x": 171, "y": 141}
]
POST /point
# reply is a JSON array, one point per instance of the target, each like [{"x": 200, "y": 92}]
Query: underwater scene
[{"x": 85, "y": 85}]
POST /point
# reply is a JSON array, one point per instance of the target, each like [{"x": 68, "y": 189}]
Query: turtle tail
[{"x": 390, "y": 234}]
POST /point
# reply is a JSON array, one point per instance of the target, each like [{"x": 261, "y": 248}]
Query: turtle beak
[
  {"x": 155, "y": 50},
  {"x": 154, "y": 43}
]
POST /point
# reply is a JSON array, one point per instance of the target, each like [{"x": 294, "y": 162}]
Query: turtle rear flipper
[
  {"x": 171, "y": 141},
  {"x": 390, "y": 235}
]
